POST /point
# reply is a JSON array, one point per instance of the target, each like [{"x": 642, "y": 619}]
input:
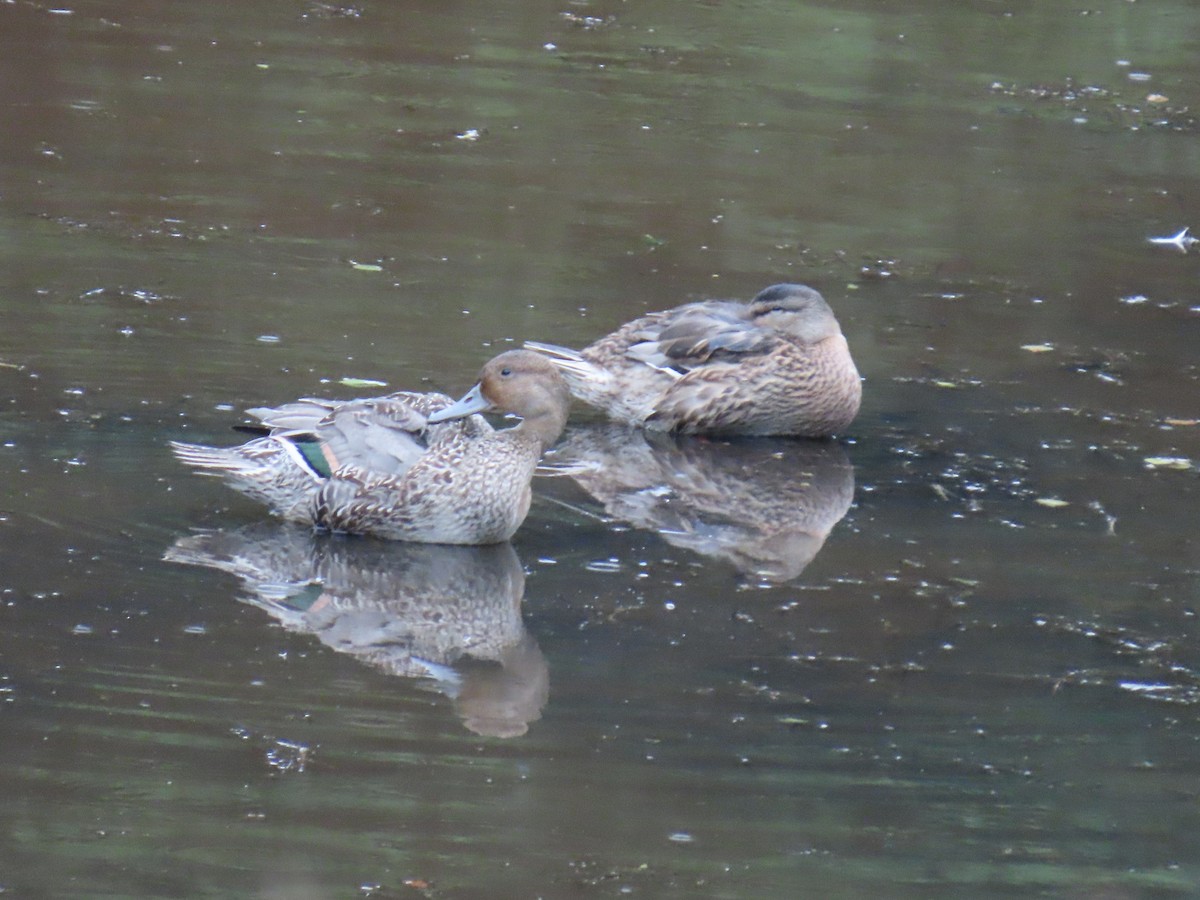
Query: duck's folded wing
[
  {"x": 696, "y": 334},
  {"x": 385, "y": 435},
  {"x": 300, "y": 416}
]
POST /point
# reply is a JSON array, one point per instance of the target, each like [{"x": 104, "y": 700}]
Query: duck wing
[
  {"x": 383, "y": 435},
  {"x": 697, "y": 333}
]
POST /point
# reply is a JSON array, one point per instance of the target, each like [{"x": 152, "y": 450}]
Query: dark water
[{"x": 955, "y": 655}]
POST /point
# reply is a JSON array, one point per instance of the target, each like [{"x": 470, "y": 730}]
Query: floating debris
[
  {"x": 288, "y": 756},
  {"x": 1162, "y": 691},
  {"x": 332, "y": 11},
  {"x": 365, "y": 267},
  {"x": 1037, "y": 348},
  {"x": 1174, "y": 463},
  {"x": 362, "y": 382},
  {"x": 588, "y": 23},
  {"x": 1051, "y": 502},
  {"x": 1180, "y": 241},
  {"x": 791, "y": 721},
  {"x": 140, "y": 295}
]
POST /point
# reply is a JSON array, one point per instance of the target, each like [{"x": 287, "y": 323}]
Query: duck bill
[{"x": 472, "y": 402}]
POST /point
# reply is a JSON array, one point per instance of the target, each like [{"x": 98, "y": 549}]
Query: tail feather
[
  {"x": 268, "y": 470},
  {"x": 570, "y": 362},
  {"x": 219, "y": 461},
  {"x": 554, "y": 351}
]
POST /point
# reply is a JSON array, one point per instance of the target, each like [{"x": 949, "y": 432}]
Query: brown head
[
  {"x": 795, "y": 310},
  {"x": 523, "y": 383}
]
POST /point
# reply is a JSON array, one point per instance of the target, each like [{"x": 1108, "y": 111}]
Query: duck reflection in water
[
  {"x": 444, "y": 613},
  {"x": 766, "y": 505}
]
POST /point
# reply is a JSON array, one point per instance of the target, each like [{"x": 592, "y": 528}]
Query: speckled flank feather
[
  {"x": 475, "y": 487},
  {"x": 383, "y": 468},
  {"x": 778, "y": 365}
]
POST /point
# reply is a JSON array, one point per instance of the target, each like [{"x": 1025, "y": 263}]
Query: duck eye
[{"x": 505, "y": 372}]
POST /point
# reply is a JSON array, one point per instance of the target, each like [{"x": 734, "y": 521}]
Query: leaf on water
[
  {"x": 1176, "y": 463},
  {"x": 1052, "y": 502},
  {"x": 362, "y": 382},
  {"x": 365, "y": 267}
]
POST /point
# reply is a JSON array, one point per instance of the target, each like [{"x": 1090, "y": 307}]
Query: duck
[
  {"x": 776, "y": 365},
  {"x": 408, "y": 466}
]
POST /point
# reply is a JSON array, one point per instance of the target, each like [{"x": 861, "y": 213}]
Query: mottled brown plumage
[
  {"x": 778, "y": 365},
  {"x": 411, "y": 467}
]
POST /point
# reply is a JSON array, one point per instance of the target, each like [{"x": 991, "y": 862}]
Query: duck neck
[{"x": 543, "y": 427}]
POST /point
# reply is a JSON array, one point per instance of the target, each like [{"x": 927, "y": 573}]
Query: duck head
[
  {"x": 795, "y": 310},
  {"x": 520, "y": 382}
]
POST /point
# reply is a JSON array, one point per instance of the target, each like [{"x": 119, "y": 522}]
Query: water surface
[{"x": 959, "y": 658}]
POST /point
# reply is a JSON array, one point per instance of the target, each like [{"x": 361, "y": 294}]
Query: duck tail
[
  {"x": 247, "y": 461},
  {"x": 221, "y": 461},
  {"x": 554, "y": 351},
  {"x": 570, "y": 362},
  {"x": 267, "y": 470}
]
